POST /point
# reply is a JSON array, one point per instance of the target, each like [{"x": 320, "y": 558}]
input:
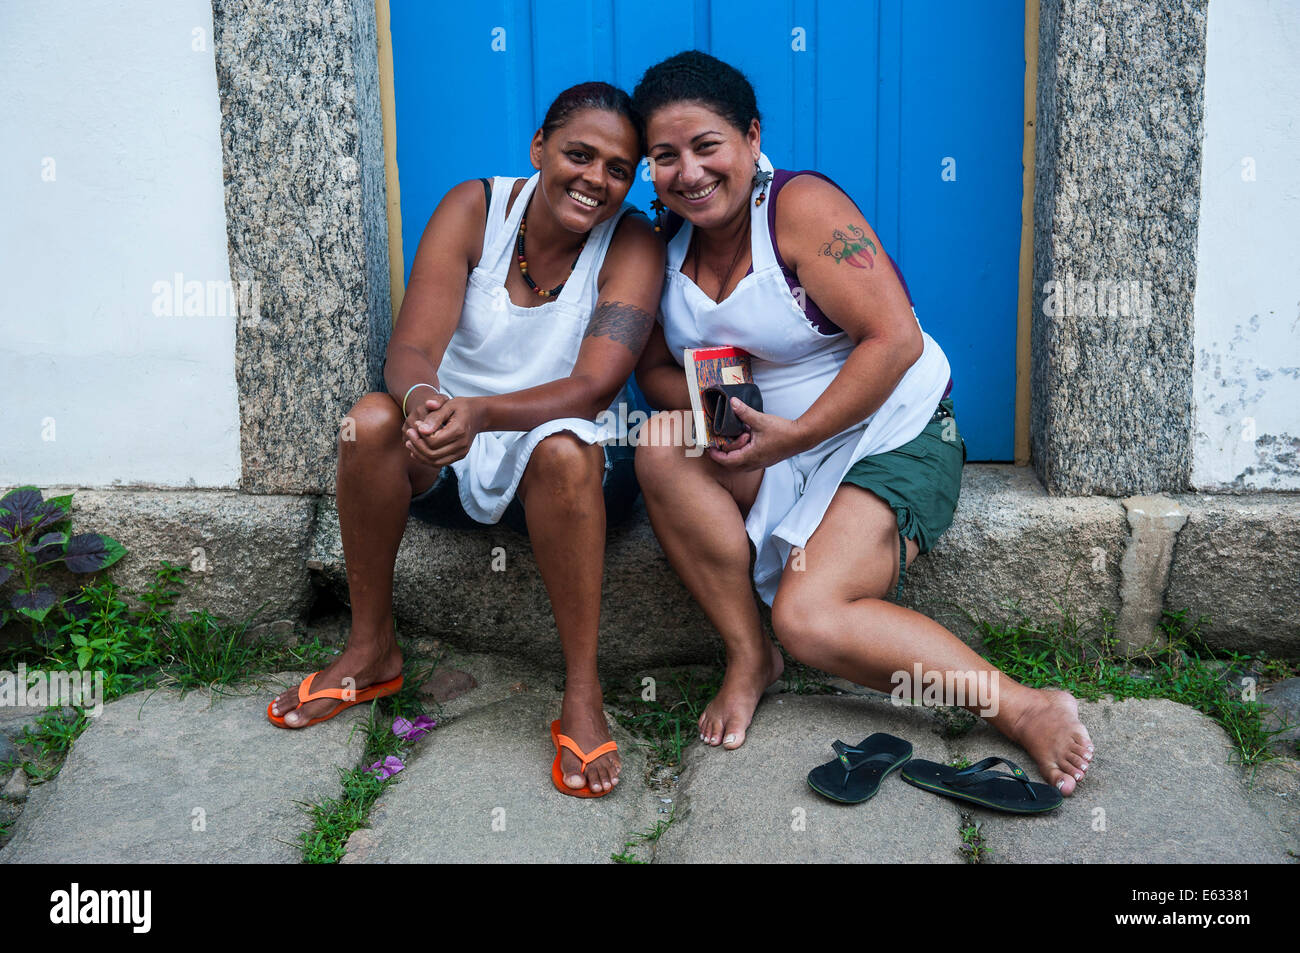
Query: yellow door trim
[
  {"x": 1025, "y": 308},
  {"x": 388, "y": 106}
]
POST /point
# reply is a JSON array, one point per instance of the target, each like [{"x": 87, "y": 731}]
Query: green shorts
[{"x": 920, "y": 481}]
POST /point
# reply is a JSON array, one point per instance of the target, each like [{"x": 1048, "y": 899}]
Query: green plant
[
  {"x": 669, "y": 728},
  {"x": 35, "y": 532},
  {"x": 1088, "y": 662},
  {"x": 972, "y": 848},
  {"x": 125, "y": 643},
  {"x": 336, "y": 819},
  {"x": 628, "y": 854},
  {"x": 204, "y": 651},
  {"x": 52, "y": 738}
]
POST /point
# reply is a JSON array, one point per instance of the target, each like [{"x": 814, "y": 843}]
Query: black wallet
[{"x": 717, "y": 404}]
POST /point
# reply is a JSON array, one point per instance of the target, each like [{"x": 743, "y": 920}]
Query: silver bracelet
[{"x": 408, "y": 394}]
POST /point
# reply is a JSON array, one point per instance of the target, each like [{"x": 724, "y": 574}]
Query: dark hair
[
  {"x": 593, "y": 96},
  {"x": 693, "y": 76}
]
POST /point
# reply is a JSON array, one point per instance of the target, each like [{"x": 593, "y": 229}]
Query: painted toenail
[
  {"x": 1079, "y": 776},
  {"x": 729, "y": 739},
  {"x": 1060, "y": 784}
]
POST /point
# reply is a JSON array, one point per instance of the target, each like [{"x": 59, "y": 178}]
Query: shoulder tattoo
[
  {"x": 624, "y": 323},
  {"x": 856, "y": 248}
]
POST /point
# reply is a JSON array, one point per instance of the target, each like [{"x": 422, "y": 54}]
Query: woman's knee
[
  {"x": 804, "y": 620},
  {"x": 374, "y": 421},
  {"x": 564, "y": 466},
  {"x": 661, "y": 449},
  {"x": 798, "y": 621}
]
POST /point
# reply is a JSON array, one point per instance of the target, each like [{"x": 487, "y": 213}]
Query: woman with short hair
[{"x": 528, "y": 305}]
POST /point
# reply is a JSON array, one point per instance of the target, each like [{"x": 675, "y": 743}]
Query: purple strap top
[{"x": 816, "y": 317}]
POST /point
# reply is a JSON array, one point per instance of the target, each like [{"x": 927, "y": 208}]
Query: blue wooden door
[{"x": 915, "y": 107}]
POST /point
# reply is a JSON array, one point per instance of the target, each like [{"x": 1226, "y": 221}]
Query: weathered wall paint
[{"x": 1247, "y": 337}]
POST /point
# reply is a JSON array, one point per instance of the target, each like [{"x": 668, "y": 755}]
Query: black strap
[
  {"x": 672, "y": 225},
  {"x": 842, "y": 752},
  {"x": 487, "y": 191},
  {"x": 978, "y": 773}
]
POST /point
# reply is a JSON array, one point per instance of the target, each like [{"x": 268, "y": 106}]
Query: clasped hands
[{"x": 440, "y": 429}]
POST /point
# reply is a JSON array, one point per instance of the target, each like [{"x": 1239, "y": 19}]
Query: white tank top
[
  {"x": 499, "y": 347},
  {"x": 793, "y": 364}
]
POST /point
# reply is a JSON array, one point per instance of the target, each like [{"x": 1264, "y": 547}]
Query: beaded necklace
[{"x": 523, "y": 262}]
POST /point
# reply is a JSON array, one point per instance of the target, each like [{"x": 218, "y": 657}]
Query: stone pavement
[
  {"x": 158, "y": 778},
  {"x": 140, "y": 780}
]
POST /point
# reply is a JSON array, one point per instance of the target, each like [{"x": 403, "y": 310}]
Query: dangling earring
[
  {"x": 659, "y": 209},
  {"x": 761, "y": 178}
]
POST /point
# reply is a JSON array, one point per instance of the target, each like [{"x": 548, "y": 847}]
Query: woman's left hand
[{"x": 768, "y": 440}]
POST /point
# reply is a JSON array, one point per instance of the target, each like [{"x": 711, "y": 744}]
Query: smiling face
[
  {"x": 703, "y": 165},
  {"x": 587, "y": 167}
]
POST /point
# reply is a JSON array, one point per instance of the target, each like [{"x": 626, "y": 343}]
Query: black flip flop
[
  {"x": 1013, "y": 793},
  {"x": 855, "y": 774}
]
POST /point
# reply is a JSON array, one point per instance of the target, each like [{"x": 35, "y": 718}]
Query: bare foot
[
  {"x": 727, "y": 717},
  {"x": 1050, "y": 730},
  {"x": 366, "y": 666},
  {"x": 582, "y": 718}
]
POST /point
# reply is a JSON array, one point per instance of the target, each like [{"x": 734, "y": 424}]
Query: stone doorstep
[
  {"x": 1235, "y": 558},
  {"x": 1010, "y": 540}
]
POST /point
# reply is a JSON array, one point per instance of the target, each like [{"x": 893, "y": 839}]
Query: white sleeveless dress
[
  {"x": 793, "y": 364},
  {"x": 499, "y": 347}
]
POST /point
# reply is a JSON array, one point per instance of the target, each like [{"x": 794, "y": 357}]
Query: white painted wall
[
  {"x": 1247, "y": 307},
  {"x": 110, "y": 181}
]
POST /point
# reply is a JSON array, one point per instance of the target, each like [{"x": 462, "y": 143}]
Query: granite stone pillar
[
  {"x": 1116, "y": 205},
  {"x": 302, "y": 149}
]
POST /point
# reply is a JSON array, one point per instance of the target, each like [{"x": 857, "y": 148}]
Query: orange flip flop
[
  {"x": 557, "y": 775},
  {"x": 379, "y": 690}
]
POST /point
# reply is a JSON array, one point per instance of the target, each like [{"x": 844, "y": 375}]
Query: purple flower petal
[
  {"x": 389, "y": 767},
  {"x": 413, "y": 731}
]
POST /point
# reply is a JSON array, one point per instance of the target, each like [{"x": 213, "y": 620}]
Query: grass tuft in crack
[
  {"x": 972, "y": 848},
  {"x": 1088, "y": 662},
  {"x": 628, "y": 854},
  {"x": 671, "y": 722},
  {"x": 336, "y": 819}
]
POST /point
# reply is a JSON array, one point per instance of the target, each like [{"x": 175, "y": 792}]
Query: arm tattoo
[
  {"x": 624, "y": 323},
  {"x": 857, "y": 249}
]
